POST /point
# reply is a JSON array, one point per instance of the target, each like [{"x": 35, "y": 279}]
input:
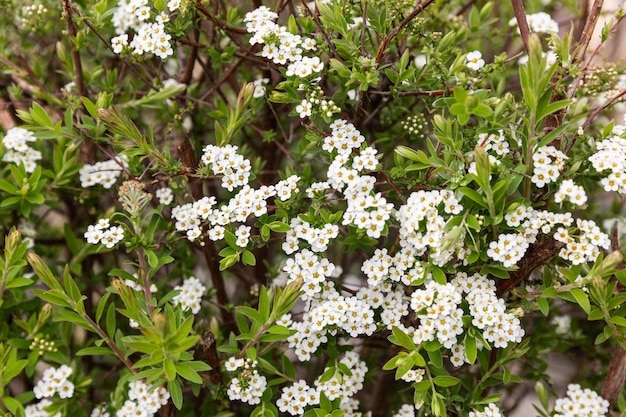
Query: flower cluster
[
  {"x": 227, "y": 162},
  {"x": 102, "y": 233},
  {"x": 296, "y": 397},
  {"x": 581, "y": 402},
  {"x": 345, "y": 385},
  {"x": 190, "y": 294},
  {"x": 285, "y": 188},
  {"x": 32, "y": 16},
  {"x": 312, "y": 269},
  {"x": 575, "y": 194},
  {"x": 508, "y": 249},
  {"x": 611, "y": 155},
  {"x": 441, "y": 317},
  {"x": 327, "y": 313},
  {"x": 406, "y": 410},
  {"x": 296, "y": 52},
  {"x": 495, "y": 142},
  {"x": 317, "y": 238},
  {"x": 581, "y": 245},
  {"x": 17, "y": 151},
  {"x": 491, "y": 410},
  {"x": 55, "y": 381},
  {"x": 540, "y": 22},
  {"x": 249, "y": 386},
  {"x": 105, "y": 173},
  {"x": 584, "y": 248},
  {"x": 143, "y": 402},
  {"x": 248, "y": 201},
  {"x": 547, "y": 162},
  {"x": 488, "y": 312},
  {"x": 39, "y": 409},
  {"x": 164, "y": 195},
  {"x": 280, "y": 45},
  {"x": 150, "y": 36},
  {"x": 422, "y": 228},
  {"x": 43, "y": 345},
  {"x": 315, "y": 100},
  {"x": 414, "y": 125}
]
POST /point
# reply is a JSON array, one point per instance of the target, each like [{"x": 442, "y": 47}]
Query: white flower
[
  {"x": 474, "y": 60},
  {"x": 304, "y": 109}
]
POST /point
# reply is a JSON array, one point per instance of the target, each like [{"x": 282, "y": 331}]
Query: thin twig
[
  {"x": 411, "y": 93},
  {"x": 588, "y": 30},
  {"x": 224, "y": 26},
  {"x": 84, "y": 20},
  {"x": 320, "y": 28},
  {"x": 385, "y": 43},
  {"x": 71, "y": 31},
  {"x": 522, "y": 23}
]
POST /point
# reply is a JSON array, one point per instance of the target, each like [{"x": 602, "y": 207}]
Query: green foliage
[{"x": 390, "y": 157}]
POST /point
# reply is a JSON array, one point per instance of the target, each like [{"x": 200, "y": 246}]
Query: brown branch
[
  {"x": 616, "y": 375},
  {"x": 224, "y": 26},
  {"x": 385, "y": 43},
  {"x": 84, "y": 20},
  {"x": 71, "y": 31},
  {"x": 208, "y": 247},
  {"x": 590, "y": 26},
  {"x": 320, "y": 28},
  {"x": 221, "y": 80},
  {"x": 522, "y": 23},
  {"x": 536, "y": 257},
  {"x": 209, "y": 355},
  {"x": 185, "y": 77},
  {"x": 412, "y": 93}
]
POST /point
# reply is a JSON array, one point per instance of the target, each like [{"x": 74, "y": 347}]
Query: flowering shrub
[{"x": 327, "y": 209}]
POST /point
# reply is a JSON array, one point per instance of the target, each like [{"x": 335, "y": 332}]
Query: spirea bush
[{"x": 329, "y": 208}]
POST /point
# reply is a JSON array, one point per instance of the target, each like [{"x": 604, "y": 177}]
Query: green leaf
[
  {"x": 248, "y": 258},
  {"x": 401, "y": 339},
  {"x": 176, "y": 392},
  {"x": 188, "y": 373},
  {"x": 544, "y": 306},
  {"x": 582, "y": 299},
  {"x": 252, "y": 314},
  {"x": 95, "y": 350},
  {"x": 620, "y": 321},
  {"x": 470, "y": 349},
  {"x": 553, "y": 107},
  {"x": 446, "y": 380},
  {"x": 170, "y": 369},
  {"x": 19, "y": 282},
  {"x": 13, "y": 405},
  {"x": 43, "y": 272},
  {"x": 473, "y": 195}
]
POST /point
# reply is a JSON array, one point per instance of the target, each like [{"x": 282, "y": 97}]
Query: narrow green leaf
[
  {"x": 95, "y": 350},
  {"x": 446, "y": 380},
  {"x": 188, "y": 373},
  {"x": 176, "y": 392}
]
